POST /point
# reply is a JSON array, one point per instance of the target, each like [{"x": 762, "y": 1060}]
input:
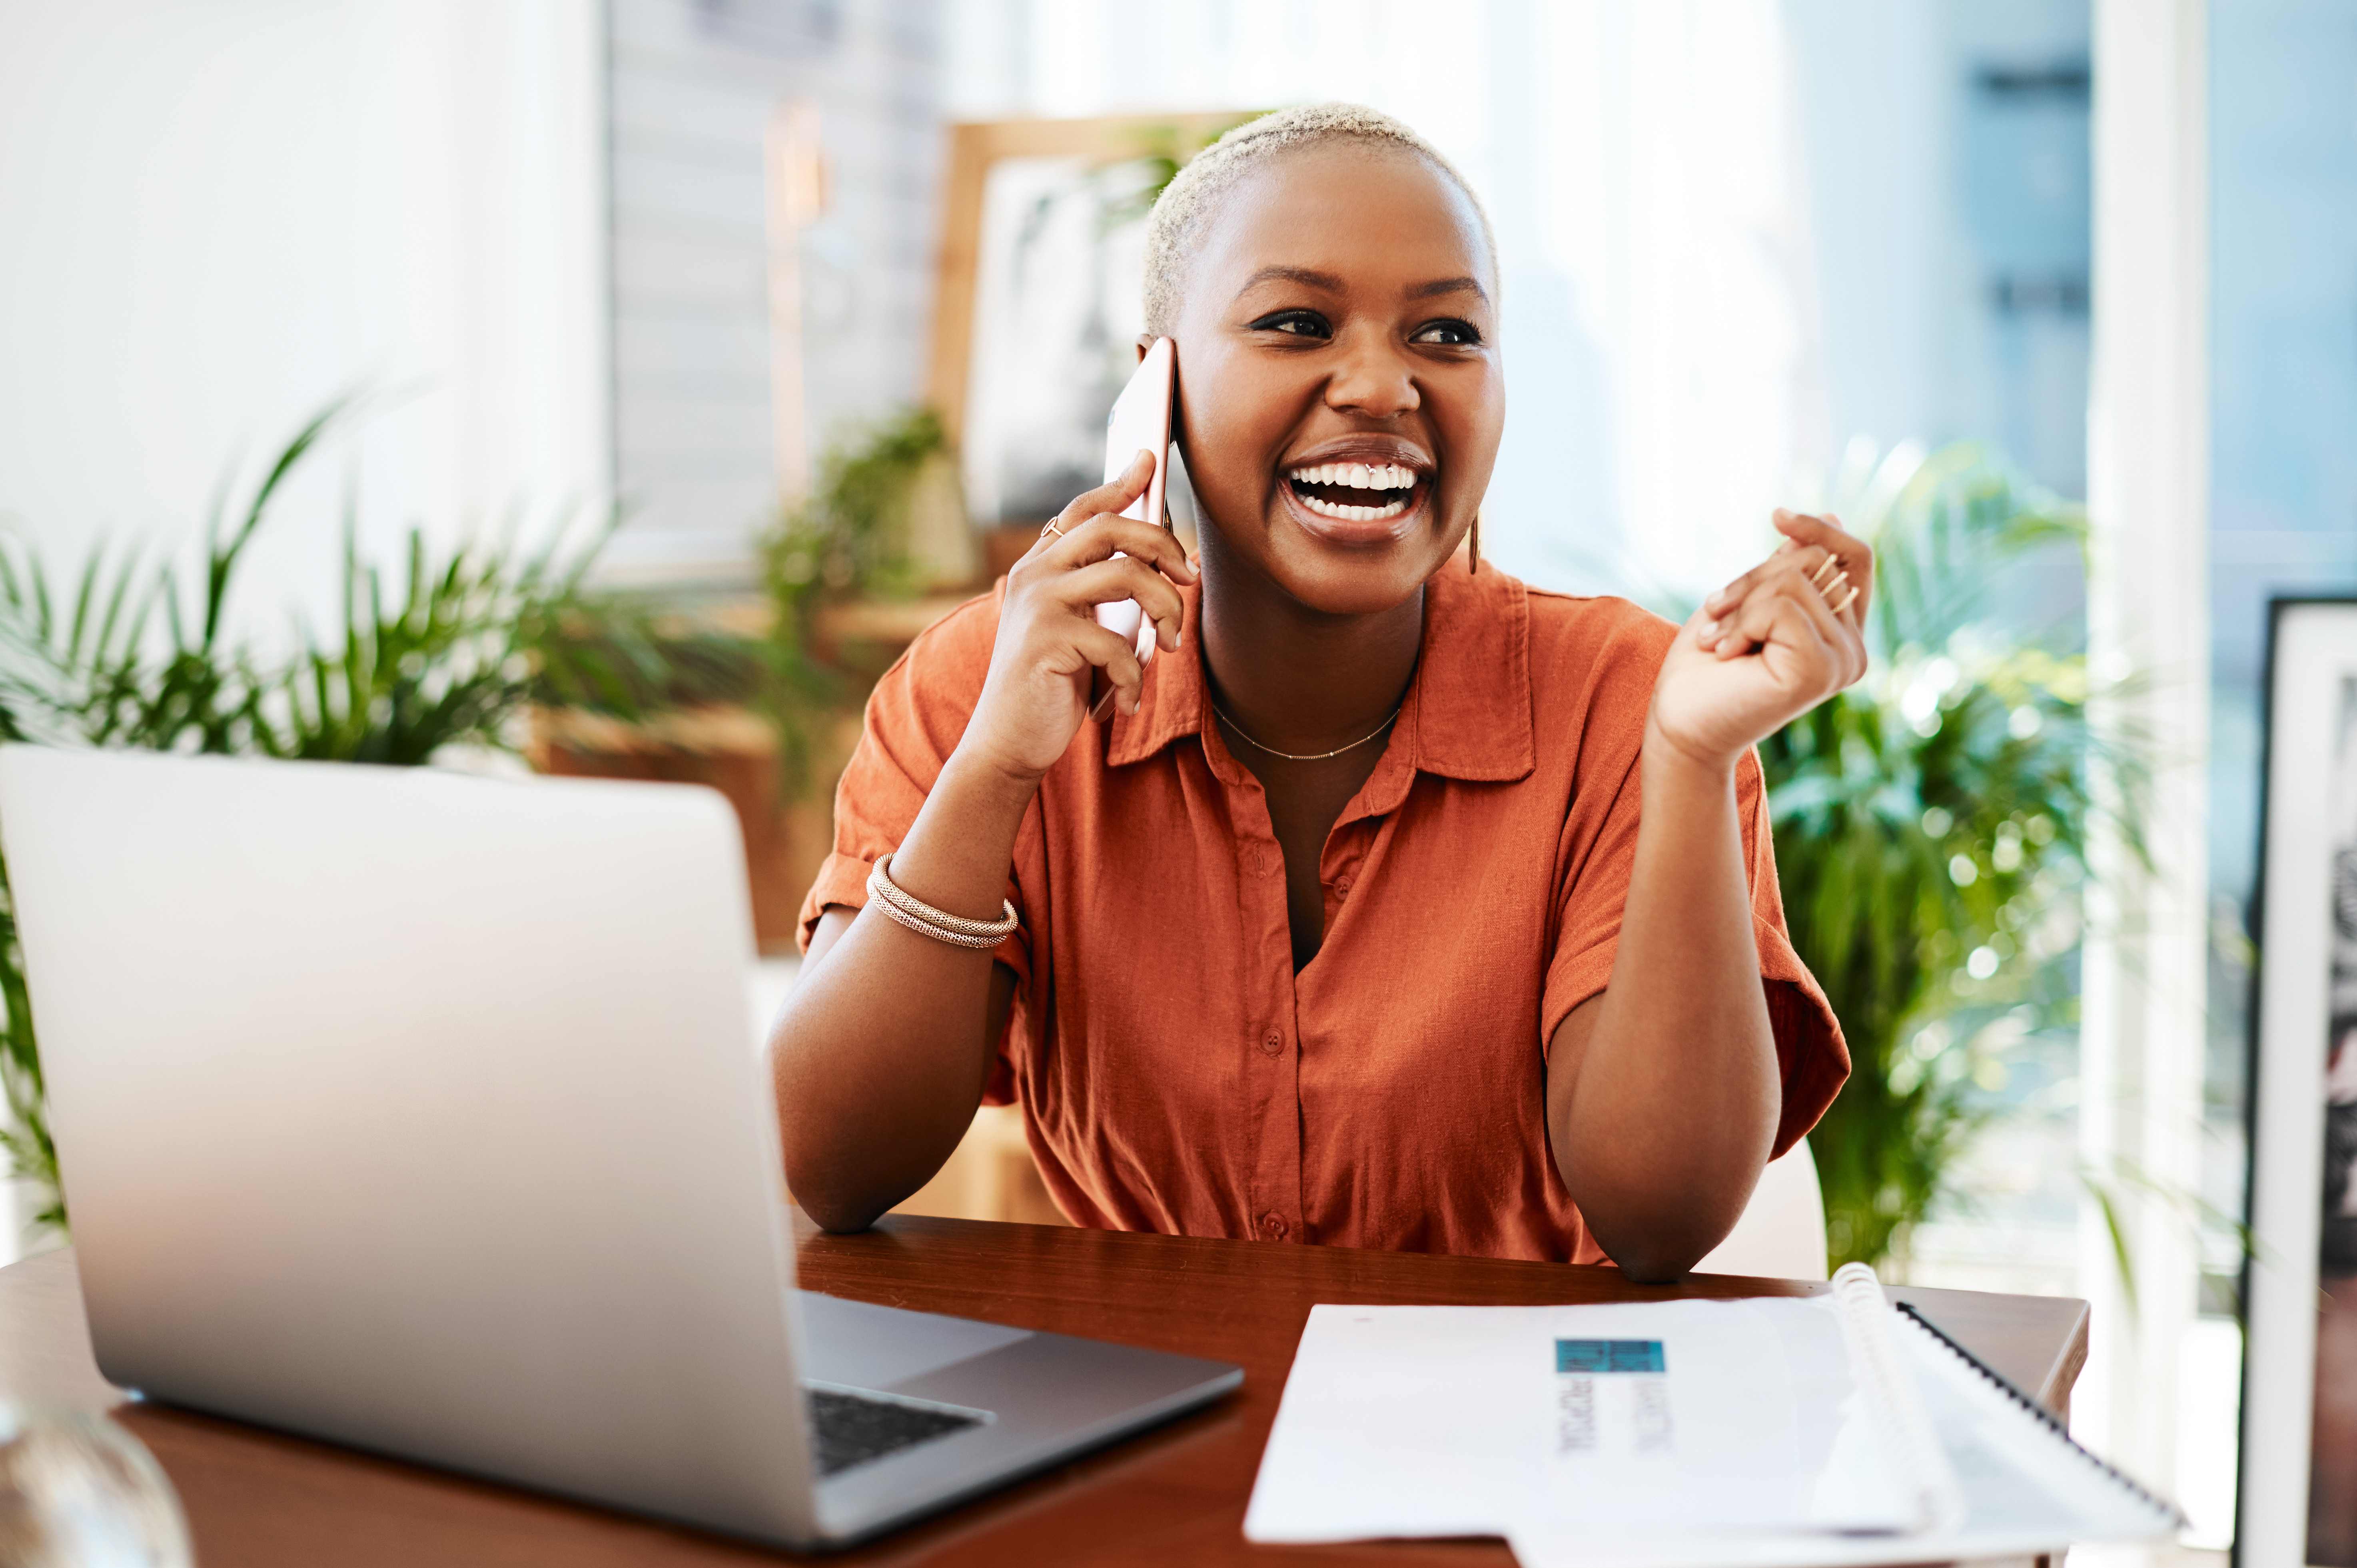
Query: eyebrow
[
  {"x": 1449, "y": 286},
  {"x": 1309, "y": 277}
]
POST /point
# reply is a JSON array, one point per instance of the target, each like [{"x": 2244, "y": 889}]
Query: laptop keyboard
[{"x": 851, "y": 1430}]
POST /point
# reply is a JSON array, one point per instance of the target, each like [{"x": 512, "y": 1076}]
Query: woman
[{"x": 1346, "y": 926}]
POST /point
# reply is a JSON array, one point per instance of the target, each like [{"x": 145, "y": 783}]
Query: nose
[{"x": 1374, "y": 378}]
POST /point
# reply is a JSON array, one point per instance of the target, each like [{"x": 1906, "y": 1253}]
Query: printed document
[{"x": 1766, "y": 1433}]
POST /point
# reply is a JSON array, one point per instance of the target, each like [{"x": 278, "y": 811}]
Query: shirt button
[
  {"x": 1273, "y": 1227},
  {"x": 1341, "y": 887},
  {"x": 1271, "y": 1043}
]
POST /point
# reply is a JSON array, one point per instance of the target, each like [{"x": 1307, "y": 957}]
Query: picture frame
[
  {"x": 2298, "y": 1492},
  {"x": 1022, "y": 379}
]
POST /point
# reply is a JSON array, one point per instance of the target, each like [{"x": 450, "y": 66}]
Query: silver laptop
[{"x": 421, "y": 1113}]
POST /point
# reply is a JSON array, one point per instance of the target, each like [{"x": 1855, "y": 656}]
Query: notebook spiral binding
[
  {"x": 1893, "y": 1405},
  {"x": 2045, "y": 1417}
]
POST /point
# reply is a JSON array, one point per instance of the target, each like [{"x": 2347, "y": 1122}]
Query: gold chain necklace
[{"x": 1313, "y": 757}]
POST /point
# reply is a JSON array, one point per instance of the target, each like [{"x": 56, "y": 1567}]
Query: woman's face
[{"x": 1341, "y": 394}]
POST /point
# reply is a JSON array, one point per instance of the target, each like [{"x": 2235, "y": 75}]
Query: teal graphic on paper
[{"x": 1608, "y": 1356}]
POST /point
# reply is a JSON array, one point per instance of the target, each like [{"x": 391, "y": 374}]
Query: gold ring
[
  {"x": 1055, "y": 526},
  {"x": 1818, "y": 580}
]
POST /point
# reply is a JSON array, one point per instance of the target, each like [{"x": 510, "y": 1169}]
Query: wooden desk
[{"x": 1175, "y": 1495}]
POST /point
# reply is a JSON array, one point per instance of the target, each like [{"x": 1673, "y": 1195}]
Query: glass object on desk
[{"x": 78, "y": 1491}]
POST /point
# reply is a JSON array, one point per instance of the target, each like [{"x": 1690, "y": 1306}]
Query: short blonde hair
[{"x": 1187, "y": 205}]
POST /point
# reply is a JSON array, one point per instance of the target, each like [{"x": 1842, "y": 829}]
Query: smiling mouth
[{"x": 1354, "y": 492}]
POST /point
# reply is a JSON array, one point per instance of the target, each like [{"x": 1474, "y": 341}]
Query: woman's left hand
[{"x": 1768, "y": 647}]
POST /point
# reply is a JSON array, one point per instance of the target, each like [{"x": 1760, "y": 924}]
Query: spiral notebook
[{"x": 1775, "y": 1432}]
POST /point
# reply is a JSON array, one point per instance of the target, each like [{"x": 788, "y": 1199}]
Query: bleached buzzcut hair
[{"x": 1194, "y": 198}]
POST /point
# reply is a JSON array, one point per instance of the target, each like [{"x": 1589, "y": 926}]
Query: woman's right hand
[{"x": 1037, "y": 693}]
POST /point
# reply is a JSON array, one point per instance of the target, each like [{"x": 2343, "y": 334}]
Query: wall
[
  {"x": 220, "y": 216},
  {"x": 694, "y": 82},
  {"x": 2284, "y": 285},
  {"x": 1947, "y": 190},
  {"x": 214, "y": 217}
]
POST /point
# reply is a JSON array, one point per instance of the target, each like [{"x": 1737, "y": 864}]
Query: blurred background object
[
  {"x": 716, "y": 348},
  {"x": 1932, "y": 829},
  {"x": 78, "y": 1491},
  {"x": 1036, "y": 324}
]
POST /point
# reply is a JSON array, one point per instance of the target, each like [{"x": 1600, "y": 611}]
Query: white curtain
[{"x": 1639, "y": 159}]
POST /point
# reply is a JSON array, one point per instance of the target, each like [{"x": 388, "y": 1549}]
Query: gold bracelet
[
  {"x": 890, "y": 912},
  {"x": 897, "y": 905}
]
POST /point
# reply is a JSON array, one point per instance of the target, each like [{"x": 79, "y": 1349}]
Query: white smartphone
[{"x": 1140, "y": 422}]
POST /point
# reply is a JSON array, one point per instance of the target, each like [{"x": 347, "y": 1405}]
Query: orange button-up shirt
[{"x": 1176, "y": 1074}]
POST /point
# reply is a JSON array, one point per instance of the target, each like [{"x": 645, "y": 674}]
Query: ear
[{"x": 1145, "y": 346}]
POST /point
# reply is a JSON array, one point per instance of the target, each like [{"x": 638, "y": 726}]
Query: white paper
[
  {"x": 1668, "y": 1434},
  {"x": 1456, "y": 1420},
  {"x": 1407, "y": 1420},
  {"x": 2026, "y": 1491}
]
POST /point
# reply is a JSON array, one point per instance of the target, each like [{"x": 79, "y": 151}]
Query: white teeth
[
  {"x": 1351, "y": 514},
  {"x": 1357, "y": 476}
]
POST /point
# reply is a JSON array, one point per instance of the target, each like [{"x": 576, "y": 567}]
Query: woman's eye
[
  {"x": 1450, "y": 334},
  {"x": 1299, "y": 323}
]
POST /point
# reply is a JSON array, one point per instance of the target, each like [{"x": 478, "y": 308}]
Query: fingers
[
  {"x": 1105, "y": 535},
  {"x": 1856, "y": 557},
  {"x": 1839, "y": 568},
  {"x": 1788, "y": 611},
  {"x": 1125, "y": 577},
  {"x": 1111, "y": 653},
  {"x": 1143, "y": 562},
  {"x": 1800, "y": 598},
  {"x": 1108, "y": 559},
  {"x": 1808, "y": 560},
  {"x": 1798, "y": 618},
  {"x": 1766, "y": 610},
  {"x": 1106, "y": 499},
  {"x": 1814, "y": 594},
  {"x": 1117, "y": 492},
  {"x": 1813, "y": 567}
]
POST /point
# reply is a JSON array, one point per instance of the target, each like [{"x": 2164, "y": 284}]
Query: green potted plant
[
  {"x": 449, "y": 652},
  {"x": 1930, "y": 825}
]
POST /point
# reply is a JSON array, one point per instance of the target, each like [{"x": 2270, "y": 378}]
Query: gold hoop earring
[{"x": 1473, "y": 560}]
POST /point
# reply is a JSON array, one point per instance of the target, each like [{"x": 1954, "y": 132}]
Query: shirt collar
[{"x": 1468, "y": 709}]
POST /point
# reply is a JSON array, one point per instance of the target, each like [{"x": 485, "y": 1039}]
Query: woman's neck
[{"x": 1293, "y": 678}]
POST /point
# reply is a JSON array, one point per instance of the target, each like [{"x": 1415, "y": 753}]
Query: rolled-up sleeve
[
  {"x": 1811, "y": 1056},
  {"x": 914, "y": 720}
]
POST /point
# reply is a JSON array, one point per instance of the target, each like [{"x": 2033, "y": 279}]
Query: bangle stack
[{"x": 887, "y": 897}]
